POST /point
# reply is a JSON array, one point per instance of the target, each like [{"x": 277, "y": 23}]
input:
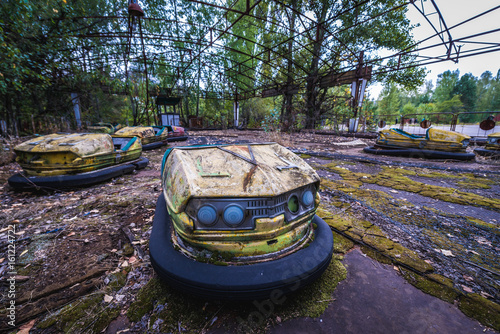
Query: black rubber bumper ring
[
  {"x": 23, "y": 182},
  {"x": 241, "y": 282},
  {"x": 417, "y": 153}
]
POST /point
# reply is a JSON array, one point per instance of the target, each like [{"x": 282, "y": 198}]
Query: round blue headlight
[
  {"x": 207, "y": 215},
  {"x": 233, "y": 215},
  {"x": 307, "y": 198}
]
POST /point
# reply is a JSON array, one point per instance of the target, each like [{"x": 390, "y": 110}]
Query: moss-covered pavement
[{"x": 83, "y": 266}]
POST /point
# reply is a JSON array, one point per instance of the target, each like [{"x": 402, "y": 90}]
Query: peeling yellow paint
[
  {"x": 146, "y": 133},
  {"x": 58, "y": 154},
  {"x": 493, "y": 145},
  {"x": 435, "y": 139}
]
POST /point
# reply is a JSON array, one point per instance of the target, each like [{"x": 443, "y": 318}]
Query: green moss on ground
[
  {"x": 305, "y": 156},
  {"x": 433, "y": 284},
  {"x": 364, "y": 232},
  {"x": 397, "y": 178},
  {"x": 147, "y": 298},
  {"x": 87, "y": 313},
  {"x": 481, "y": 309},
  {"x": 194, "y": 315}
]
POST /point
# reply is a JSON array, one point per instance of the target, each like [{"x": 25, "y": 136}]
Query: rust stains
[{"x": 248, "y": 178}]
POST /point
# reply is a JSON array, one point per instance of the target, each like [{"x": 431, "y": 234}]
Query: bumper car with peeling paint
[
  {"x": 238, "y": 222},
  {"x": 436, "y": 144},
  {"x": 175, "y": 133},
  {"x": 101, "y": 128},
  {"x": 151, "y": 138},
  {"x": 59, "y": 161},
  {"x": 492, "y": 148}
]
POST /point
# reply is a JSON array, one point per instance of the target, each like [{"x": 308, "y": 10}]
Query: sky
[{"x": 455, "y": 12}]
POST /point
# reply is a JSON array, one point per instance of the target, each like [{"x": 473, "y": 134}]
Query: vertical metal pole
[
  {"x": 236, "y": 113},
  {"x": 76, "y": 108}
]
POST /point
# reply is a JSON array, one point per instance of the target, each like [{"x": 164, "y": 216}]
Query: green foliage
[
  {"x": 445, "y": 84},
  {"x": 466, "y": 87},
  {"x": 271, "y": 122},
  {"x": 390, "y": 100}
]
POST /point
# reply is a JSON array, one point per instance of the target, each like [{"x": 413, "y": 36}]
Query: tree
[
  {"x": 466, "y": 87},
  {"x": 389, "y": 100},
  {"x": 444, "y": 86}
]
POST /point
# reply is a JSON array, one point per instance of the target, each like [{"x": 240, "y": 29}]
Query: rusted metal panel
[
  {"x": 346, "y": 78},
  {"x": 186, "y": 173},
  {"x": 80, "y": 144}
]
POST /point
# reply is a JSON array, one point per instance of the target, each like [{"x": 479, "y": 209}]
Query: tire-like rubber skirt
[
  {"x": 237, "y": 282},
  {"x": 155, "y": 145},
  {"x": 417, "y": 153},
  {"x": 22, "y": 181},
  {"x": 487, "y": 153},
  {"x": 180, "y": 138}
]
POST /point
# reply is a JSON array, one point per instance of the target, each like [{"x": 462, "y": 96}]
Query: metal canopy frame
[{"x": 228, "y": 72}]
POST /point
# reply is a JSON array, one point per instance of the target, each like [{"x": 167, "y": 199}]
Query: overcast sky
[{"x": 455, "y": 12}]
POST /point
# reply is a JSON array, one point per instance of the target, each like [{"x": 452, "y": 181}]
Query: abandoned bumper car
[
  {"x": 101, "y": 128},
  {"x": 436, "y": 144},
  {"x": 60, "y": 161},
  {"x": 153, "y": 137},
  {"x": 238, "y": 222},
  {"x": 492, "y": 148}
]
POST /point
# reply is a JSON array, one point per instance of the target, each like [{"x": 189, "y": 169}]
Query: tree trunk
[
  {"x": 312, "y": 102},
  {"x": 286, "y": 110}
]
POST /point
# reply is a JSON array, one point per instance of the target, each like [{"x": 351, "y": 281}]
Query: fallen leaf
[
  {"x": 467, "y": 289},
  {"x": 2, "y": 259},
  {"x": 24, "y": 252},
  {"x": 468, "y": 278},
  {"x": 25, "y": 329},
  {"x": 108, "y": 298},
  {"x": 447, "y": 252},
  {"x": 124, "y": 264},
  {"x": 485, "y": 295},
  {"x": 132, "y": 259},
  {"x": 71, "y": 234}
]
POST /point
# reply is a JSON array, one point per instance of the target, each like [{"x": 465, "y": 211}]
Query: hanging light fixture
[{"x": 134, "y": 9}]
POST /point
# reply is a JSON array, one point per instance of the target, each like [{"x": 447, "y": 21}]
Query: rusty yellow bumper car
[
  {"x": 174, "y": 133},
  {"x": 153, "y": 137},
  {"x": 101, "y": 128},
  {"x": 60, "y": 161},
  {"x": 492, "y": 148},
  {"x": 238, "y": 222},
  {"x": 435, "y": 144}
]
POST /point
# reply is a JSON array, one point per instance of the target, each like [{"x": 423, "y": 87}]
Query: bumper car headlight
[
  {"x": 207, "y": 215},
  {"x": 233, "y": 215},
  {"x": 307, "y": 198},
  {"x": 293, "y": 204}
]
